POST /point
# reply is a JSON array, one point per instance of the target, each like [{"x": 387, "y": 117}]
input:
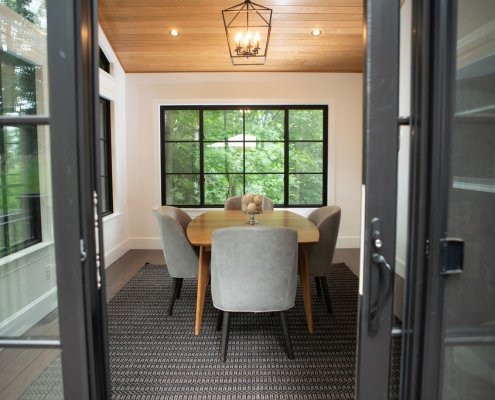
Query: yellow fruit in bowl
[
  {"x": 258, "y": 199},
  {"x": 251, "y": 207},
  {"x": 248, "y": 198}
]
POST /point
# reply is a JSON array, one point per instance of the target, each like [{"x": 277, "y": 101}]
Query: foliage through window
[
  {"x": 211, "y": 153},
  {"x": 20, "y": 221},
  {"x": 106, "y": 158}
]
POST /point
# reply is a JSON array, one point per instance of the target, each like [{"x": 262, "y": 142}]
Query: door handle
[{"x": 380, "y": 266}]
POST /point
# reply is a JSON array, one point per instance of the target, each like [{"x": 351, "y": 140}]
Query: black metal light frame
[{"x": 247, "y": 15}]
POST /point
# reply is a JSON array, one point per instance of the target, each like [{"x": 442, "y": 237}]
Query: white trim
[
  {"x": 28, "y": 316},
  {"x": 21, "y": 37},
  {"x": 330, "y": 102},
  {"x": 118, "y": 251},
  {"x": 474, "y": 184},
  {"x": 400, "y": 267},
  {"x": 155, "y": 243},
  {"x": 476, "y": 45},
  {"x": 361, "y": 246},
  {"x": 31, "y": 254}
]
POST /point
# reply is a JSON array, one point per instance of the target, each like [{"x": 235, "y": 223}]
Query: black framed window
[
  {"x": 106, "y": 158},
  {"x": 211, "y": 153},
  {"x": 104, "y": 63},
  {"x": 20, "y": 220}
]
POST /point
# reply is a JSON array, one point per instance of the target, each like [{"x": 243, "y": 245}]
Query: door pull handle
[{"x": 376, "y": 307}]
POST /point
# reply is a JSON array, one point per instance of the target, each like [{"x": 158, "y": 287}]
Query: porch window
[
  {"x": 20, "y": 221},
  {"x": 106, "y": 158},
  {"x": 211, "y": 153}
]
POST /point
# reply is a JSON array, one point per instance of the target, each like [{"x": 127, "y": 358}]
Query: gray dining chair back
[
  {"x": 235, "y": 203},
  {"x": 180, "y": 255},
  {"x": 253, "y": 269},
  {"x": 320, "y": 255}
]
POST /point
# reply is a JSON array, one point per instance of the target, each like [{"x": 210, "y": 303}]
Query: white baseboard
[
  {"x": 400, "y": 267},
  {"x": 146, "y": 243},
  {"x": 30, "y": 315},
  {"x": 345, "y": 242},
  {"x": 348, "y": 242},
  {"x": 118, "y": 251}
]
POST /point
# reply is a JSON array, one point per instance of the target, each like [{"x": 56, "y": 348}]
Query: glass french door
[
  {"x": 460, "y": 318},
  {"x": 52, "y": 293},
  {"x": 448, "y": 324}
]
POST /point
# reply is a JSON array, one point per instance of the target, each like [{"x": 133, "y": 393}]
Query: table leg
[
  {"x": 305, "y": 286},
  {"x": 204, "y": 262}
]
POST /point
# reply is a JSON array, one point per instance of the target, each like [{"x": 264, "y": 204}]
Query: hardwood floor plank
[
  {"x": 28, "y": 374},
  {"x": 123, "y": 270},
  {"x": 348, "y": 256}
]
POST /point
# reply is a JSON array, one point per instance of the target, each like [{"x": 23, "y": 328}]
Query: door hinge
[{"x": 97, "y": 240}]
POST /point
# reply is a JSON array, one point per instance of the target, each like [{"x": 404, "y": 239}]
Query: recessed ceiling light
[
  {"x": 316, "y": 32},
  {"x": 173, "y": 32}
]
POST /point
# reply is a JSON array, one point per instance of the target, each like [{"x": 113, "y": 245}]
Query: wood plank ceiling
[{"x": 138, "y": 31}]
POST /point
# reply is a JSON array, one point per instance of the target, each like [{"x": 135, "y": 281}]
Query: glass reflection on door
[
  {"x": 469, "y": 366},
  {"x": 28, "y": 287}
]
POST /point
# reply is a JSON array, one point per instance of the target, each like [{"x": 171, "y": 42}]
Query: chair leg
[
  {"x": 179, "y": 287},
  {"x": 219, "y": 320},
  {"x": 284, "y": 321},
  {"x": 225, "y": 336},
  {"x": 171, "y": 299},
  {"x": 324, "y": 284},
  {"x": 318, "y": 285}
]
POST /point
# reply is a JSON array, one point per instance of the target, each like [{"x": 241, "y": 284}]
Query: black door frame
[
  {"x": 379, "y": 200},
  {"x": 74, "y": 129},
  {"x": 433, "y": 66}
]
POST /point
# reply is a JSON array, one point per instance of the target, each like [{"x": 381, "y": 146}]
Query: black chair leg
[
  {"x": 179, "y": 287},
  {"x": 225, "y": 336},
  {"x": 324, "y": 284},
  {"x": 173, "y": 291},
  {"x": 318, "y": 285},
  {"x": 219, "y": 320},
  {"x": 284, "y": 321}
]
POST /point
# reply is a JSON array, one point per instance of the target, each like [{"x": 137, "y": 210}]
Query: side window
[
  {"x": 106, "y": 158},
  {"x": 20, "y": 221},
  {"x": 104, "y": 63}
]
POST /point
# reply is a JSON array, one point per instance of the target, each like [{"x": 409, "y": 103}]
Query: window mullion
[
  {"x": 286, "y": 157},
  {"x": 244, "y": 151},
  {"x": 202, "y": 176}
]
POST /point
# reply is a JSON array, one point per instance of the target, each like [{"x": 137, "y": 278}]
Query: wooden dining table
[{"x": 200, "y": 229}]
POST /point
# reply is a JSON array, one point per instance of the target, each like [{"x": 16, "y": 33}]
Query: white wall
[
  {"x": 112, "y": 87},
  {"x": 146, "y": 92}
]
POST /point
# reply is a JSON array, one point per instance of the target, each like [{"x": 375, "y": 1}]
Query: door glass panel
[
  {"x": 28, "y": 287},
  {"x": 30, "y": 374},
  {"x": 469, "y": 367}
]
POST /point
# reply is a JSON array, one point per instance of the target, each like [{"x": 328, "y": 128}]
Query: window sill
[{"x": 30, "y": 252}]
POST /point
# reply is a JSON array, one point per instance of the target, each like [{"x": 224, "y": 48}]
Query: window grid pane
[
  {"x": 276, "y": 151},
  {"x": 106, "y": 199}
]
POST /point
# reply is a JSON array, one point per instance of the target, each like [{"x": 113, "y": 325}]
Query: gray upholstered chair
[
  {"x": 180, "y": 255},
  {"x": 253, "y": 269},
  {"x": 235, "y": 203},
  {"x": 320, "y": 255}
]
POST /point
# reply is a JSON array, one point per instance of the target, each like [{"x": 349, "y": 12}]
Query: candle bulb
[
  {"x": 249, "y": 37},
  {"x": 257, "y": 40},
  {"x": 238, "y": 39}
]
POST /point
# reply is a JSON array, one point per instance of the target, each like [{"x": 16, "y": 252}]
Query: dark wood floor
[{"x": 20, "y": 367}]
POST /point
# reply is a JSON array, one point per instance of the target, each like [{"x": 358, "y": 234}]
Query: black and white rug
[{"x": 154, "y": 356}]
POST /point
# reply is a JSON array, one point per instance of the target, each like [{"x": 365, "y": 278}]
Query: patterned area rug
[{"x": 154, "y": 356}]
